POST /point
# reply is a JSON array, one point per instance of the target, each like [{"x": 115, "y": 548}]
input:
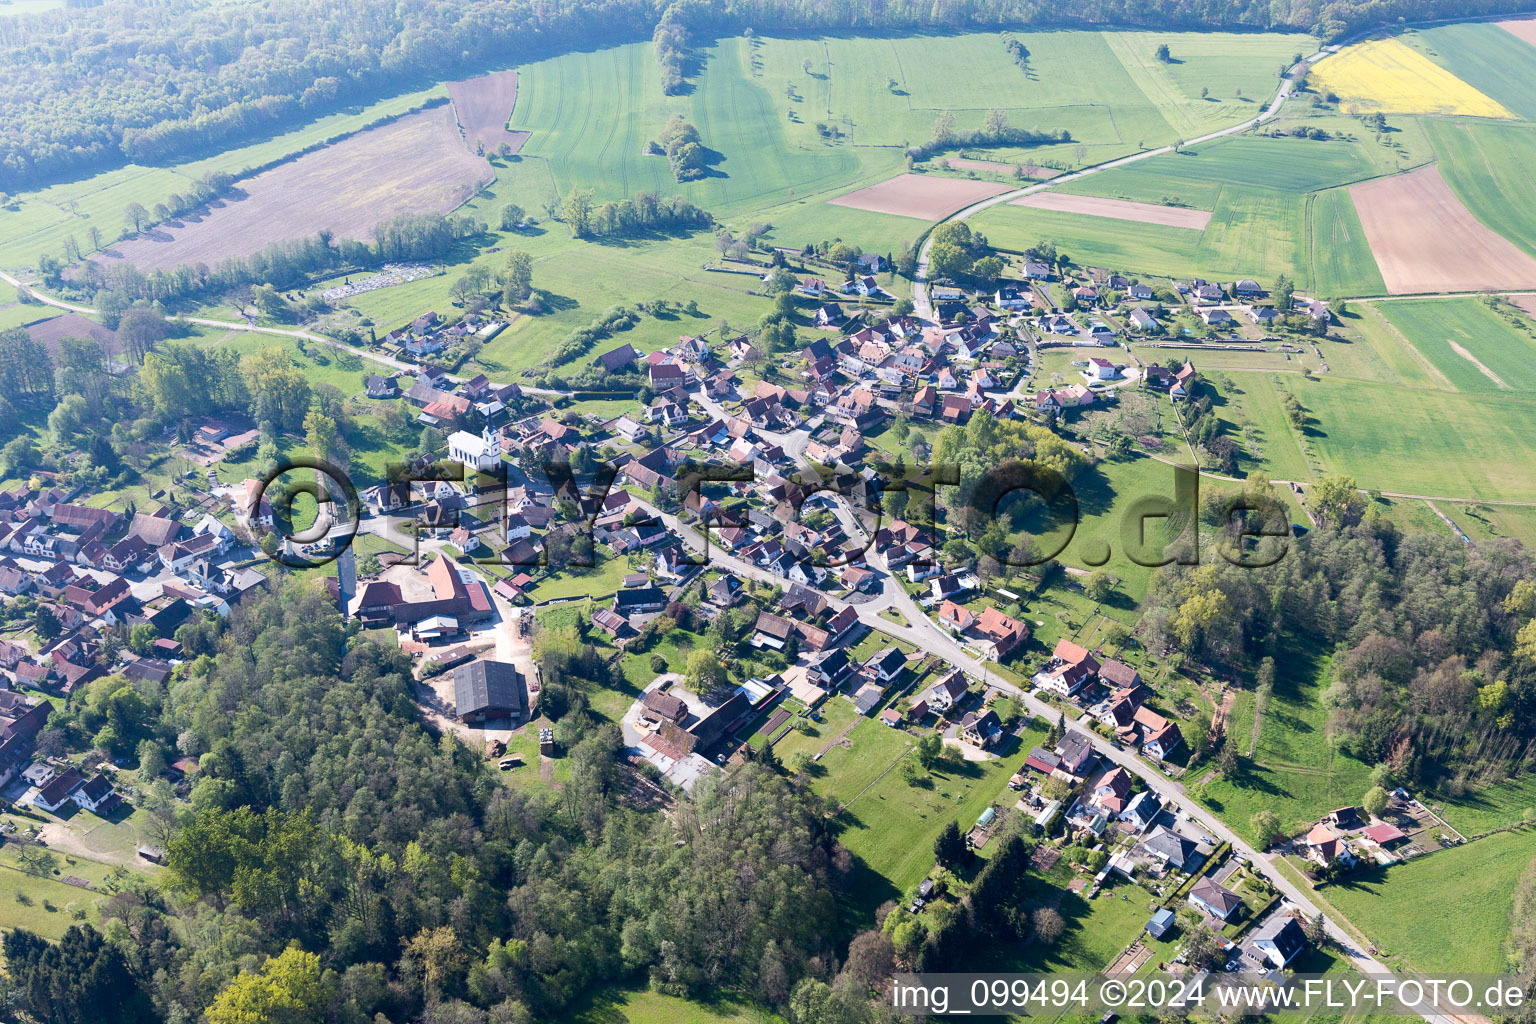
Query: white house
[
  {"x": 1100, "y": 369},
  {"x": 211, "y": 527}
]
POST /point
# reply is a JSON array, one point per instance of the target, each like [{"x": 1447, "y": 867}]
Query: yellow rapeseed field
[{"x": 1389, "y": 76}]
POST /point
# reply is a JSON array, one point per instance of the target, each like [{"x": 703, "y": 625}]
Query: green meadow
[
  {"x": 1472, "y": 346},
  {"x": 1420, "y": 441},
  {"x": 1294, "y": 770},
  {"x": 1487, "y": 164},
  {"x": 1396, "y": 907}
]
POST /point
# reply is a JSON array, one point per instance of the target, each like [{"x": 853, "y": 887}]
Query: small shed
[{"x": 1161, "y": 923}]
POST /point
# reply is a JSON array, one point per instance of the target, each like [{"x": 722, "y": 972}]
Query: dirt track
[
  {"x": 414, "y": 164},
  {"x": 1424, "y": 240},
  {"x": 1118, "y": 209},
  {"x": 920, "y": 196}
]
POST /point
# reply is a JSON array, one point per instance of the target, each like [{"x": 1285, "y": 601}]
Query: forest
[
  {"x": 338, "y": 860},
  {"x": 89, "y": 87},
  {"x": 1433, "y": 643}
]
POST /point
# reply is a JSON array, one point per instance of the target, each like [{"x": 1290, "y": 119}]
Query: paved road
[
  {"x": 241, "y": 325},
  {"x": 920, "y": 302},
  {"x": 923, "y": 633}
]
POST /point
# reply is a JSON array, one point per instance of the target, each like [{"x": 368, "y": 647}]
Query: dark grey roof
[
  {"x": 1171, "y": 845},
  {"x": 639, "y": 597},
  {"x": 1286, "y": 935},
  {"x": 486, "y": 685}
]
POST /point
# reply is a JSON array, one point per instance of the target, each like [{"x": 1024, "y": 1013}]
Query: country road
[
  {"x": 926, "y": 635},
  {"x": 232, "y": 325},
  {"x": 920, "y": 302}
]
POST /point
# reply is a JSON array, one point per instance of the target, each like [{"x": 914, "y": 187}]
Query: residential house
[
  {"x": 948, "y": 691},
  {"x": 1012, "y": 297},
  {"x": 1183, "y": 381},
  {"x": 956, "y": 617},
  {"x": 663, "y": 706},
  {"x": 1172, "y": 849},
  {"x": 639, "y": 600},
  {"x": 998, "y": 634},
  {"x": 1075, "y": 754},
  {"x": 1043, "y": 761},
  {"x": 1324, "y": 846},
  {"x": 1210, "y": 897},
  {"x": 886, "y": 665},
  {"x": 983, "y": 728},
  {"x": 1100, "y": 370},
  {"x": 1068, "y": 670},
  {"x": 1113, "y": 792},
  {"x": 1280, "y": 939},
  {"x": 1144, "y": 321},
  {"x": 1142, "y": 810},
  {"x": 1215, "y": 316},
  {"x": 56, "y": 792},
  {"x": 95, "y": 795}
]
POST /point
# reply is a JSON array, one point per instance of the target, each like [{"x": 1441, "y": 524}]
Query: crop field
[
  {"x": 925, "y": 197},
  {"x": 416, "y": 164},
  {"x": 1521, "y": 28},
  {"x": 483, "y": 106},
  {"x": 1392, "y": 905},
  {"x": 1341, "y": 258},
  {"x": 1488, "y": 166},
  {"x": 1252, "y": 232},
  {"x": 1389, "y": 76},
  {"x": 1117, "y": 209},
  {"x": 1425, "y": 240},
  {"x": 1384, "y": 354},
  {"x": 1195, "y": 175},
  {"x": 1487, "y": 57},
  {"x": 1420, "y": 441},
  {"x": 40, "y": 221},
  {"x": 1473, "y": 347}
]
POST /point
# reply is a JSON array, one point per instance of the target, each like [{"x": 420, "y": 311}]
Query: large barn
[{"x": 487, "y": 690}]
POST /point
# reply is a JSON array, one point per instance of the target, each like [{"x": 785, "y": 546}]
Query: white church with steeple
[{"x": 478, "y": 452}]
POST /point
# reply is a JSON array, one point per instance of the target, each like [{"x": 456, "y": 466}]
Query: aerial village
[{"x": 848, "y": 615}]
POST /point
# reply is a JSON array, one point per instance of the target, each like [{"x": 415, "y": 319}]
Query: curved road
[
  {"x": 920, "y": 301},
  {"x": 231, "y": 325}
]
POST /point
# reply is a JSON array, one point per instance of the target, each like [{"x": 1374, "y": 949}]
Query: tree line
[{"x": 175, "y": 84}]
